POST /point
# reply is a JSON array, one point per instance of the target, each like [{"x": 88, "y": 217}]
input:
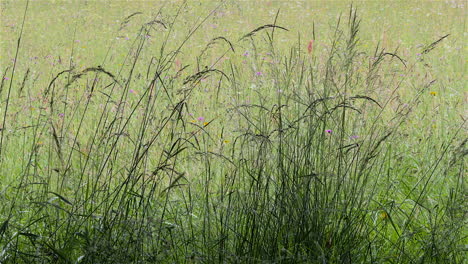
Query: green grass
[{"x": 210, "y": 133}]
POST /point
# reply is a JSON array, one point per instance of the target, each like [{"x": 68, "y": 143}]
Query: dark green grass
[{"x": 312, "y": 169}]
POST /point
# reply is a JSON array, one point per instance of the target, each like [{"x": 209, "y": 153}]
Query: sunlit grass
[{"x": 135, "y": 134}]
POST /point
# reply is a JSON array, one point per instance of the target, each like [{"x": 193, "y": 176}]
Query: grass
[{"x": 160, "y": 141}]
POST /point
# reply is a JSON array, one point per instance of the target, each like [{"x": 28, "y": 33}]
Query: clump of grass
[{"x": 313, "y": 171}]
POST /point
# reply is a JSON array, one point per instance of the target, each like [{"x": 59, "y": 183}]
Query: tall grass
[{"x": 313, "y": 171}]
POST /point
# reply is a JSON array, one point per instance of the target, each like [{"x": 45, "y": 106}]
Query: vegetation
[{"x": 159, "y": 141}]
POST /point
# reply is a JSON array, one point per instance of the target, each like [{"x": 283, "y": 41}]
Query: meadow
[{"x": 233, "y": 132}]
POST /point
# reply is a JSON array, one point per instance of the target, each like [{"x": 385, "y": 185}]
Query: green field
[{"x": 233, "y": 132}]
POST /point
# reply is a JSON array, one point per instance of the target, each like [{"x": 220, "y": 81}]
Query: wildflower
[
  {"x": 433, "y": 93},
  {"x": 226, "y": 141},
  {"x": 383, "y": 215},
  {"x": 205, "y": 123},
  {"x": 354, "y": 137},
  {"x": 259, "y": 73},
  {"x": 61, "y": 115},
  {"x": 6, "y": 78},
  {"x": 131, "y": 91},
  {"x": 201, "y": 118},
  {"x": 328, "y": 131},
  {"x": 310, "y": 46},
  {"x": 178, "y": 64},
  {"x": 246, "y": 53}
]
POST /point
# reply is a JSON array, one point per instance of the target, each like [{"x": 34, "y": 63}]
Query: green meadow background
[{"x": 233, "y": 132}]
